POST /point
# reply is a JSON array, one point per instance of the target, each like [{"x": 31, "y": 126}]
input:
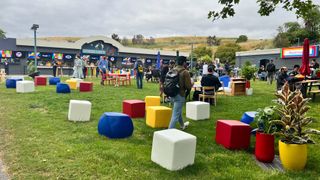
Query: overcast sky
[{"x": 156, "y": 18}]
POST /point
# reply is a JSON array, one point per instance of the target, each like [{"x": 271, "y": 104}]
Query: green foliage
[
  {"x": 266, "y": 7},
  {"x": 263, "y": 119},
  {"x": 292, "y": 33},
  {"x": 292, "y": 109},
  {"x": 213, "y": 41},
  {"x": 125, "y": 41},
  {"x": 242, "y": 38},
  {"x": 202, "y": 52},
  {"x": 2, "y": 34},
  {"x": 206, "y": 59},
  {"x": 248, "y": 70},
  {"x": 115, "y": 37},
  {"x": 138, "y": 39},
  {"x": 227, "y": 52}
]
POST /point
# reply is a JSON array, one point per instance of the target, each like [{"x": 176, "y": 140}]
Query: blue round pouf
[
  {"x": 12, "y": 83},
  {"x": 63, "y": 88},
  {"x": 248, "y": 117},
  {"x": 54, "y": 80},
  {"x": 115, "y": 125}
]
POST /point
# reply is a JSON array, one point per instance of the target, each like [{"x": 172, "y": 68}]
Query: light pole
[
  {"x": 34, "y": 28},
  {"x": 298, "y": 41}
]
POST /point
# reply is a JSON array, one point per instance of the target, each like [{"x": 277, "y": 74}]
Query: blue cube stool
[
  {"x": 225, "y": 79},
  {"x": 12, "y": 83},
  {"x": 63, "y": 88},
  {"x": 54, "y": 80},
  {"x": 248, "y": 117},
  {"x": 115, "y": 125}
]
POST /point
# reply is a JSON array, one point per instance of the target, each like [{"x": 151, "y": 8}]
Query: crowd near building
[
  {"x": 283, "y": 57},
  {"x": 16, "y": 53}
]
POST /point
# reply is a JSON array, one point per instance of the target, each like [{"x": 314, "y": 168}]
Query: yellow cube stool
[
  {"x": 158, "y": 116},
  {"x": 72, "y": 83},
  {"x": 152, "y": 101}
]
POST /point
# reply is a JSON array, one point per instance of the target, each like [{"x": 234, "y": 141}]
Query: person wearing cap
[{"x": 179, "y": 100}]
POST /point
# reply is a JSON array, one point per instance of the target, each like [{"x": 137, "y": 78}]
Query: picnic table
[
  {"x": 307, "y": 85},
  {"x": 117, "y": 76}
]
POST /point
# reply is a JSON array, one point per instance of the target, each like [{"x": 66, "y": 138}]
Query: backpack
[
  {"x": 140, "y": 69},
  {"x": 171, "y": 83}
]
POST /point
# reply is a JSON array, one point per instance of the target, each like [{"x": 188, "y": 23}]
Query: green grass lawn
[{"x": 38, "y": 142}]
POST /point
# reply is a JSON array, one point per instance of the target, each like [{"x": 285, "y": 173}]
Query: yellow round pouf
[{"x": 293, "y": 156}]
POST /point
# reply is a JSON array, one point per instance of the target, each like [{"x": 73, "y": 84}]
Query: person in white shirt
[{"x": 205, "y": 69}]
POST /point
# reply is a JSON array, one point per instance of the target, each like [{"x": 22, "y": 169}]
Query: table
[
  {"x": 118, "y": 76},
  {"x": 237, "y": 79},
  {"x": 305, "y": 85},
  {"x": 238, "y": 88}
]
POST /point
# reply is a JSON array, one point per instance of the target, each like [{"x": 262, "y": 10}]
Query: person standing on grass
[
  {"x": 138, "y": 66},
  {"x": 178, "y": 100},
  {"x": 271, "y": 70},
  {"x": 103, "y": 66},
  {"x": 54, "y": 68},
  {"x": 77, "y": 68}
]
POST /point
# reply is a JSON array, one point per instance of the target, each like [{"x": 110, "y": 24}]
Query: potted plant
[
  {"x": 31, "y": 69},
  {"x": 264, "y": 149},
  {"x": 248, "y": 72},
  {"x": 292, "y": 108}
]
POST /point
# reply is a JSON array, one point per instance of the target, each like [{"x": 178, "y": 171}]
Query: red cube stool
[
  {"x": 134, "y": 108},
  {"x": 86, "y": 86},
  {"x": 40, "y": 81},
  {"x": 233, "y": 134}
]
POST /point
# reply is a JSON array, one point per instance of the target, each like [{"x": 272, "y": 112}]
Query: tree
[
  {"x": 115, "y": 37},
  {"x": 138, "y": 39},
  {"x": 227, "y": 52},
  {"x": 213, "y": 41},
  {"x": 2, "y": 34},
  {"x": 312, "y": 23},
  {"x": 266, "y": 7},
  {"x": 242, "y": 38},
  {"x": 281, "y": 40},
  {"x": 201, "y": 51},
  {"x": 151, "y": 41},
  {"x": 125, "y": 41}
]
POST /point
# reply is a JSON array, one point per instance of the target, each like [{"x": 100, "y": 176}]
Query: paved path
[{"x": 3, "y": 176}]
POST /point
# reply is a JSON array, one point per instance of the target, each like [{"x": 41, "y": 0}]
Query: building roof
[
  {"x": 259, "y": 52},
  {"x": 78, "y": 44}
]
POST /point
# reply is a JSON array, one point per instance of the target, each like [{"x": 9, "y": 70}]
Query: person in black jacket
[
  {"x": 282, "y": 78},
  {"x": 211, "y": 81}
]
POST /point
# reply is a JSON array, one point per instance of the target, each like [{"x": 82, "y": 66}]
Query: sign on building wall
[{"x": 296, "y": 52}]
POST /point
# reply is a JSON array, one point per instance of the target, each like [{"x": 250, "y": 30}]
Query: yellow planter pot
[{"x": 293, "y": 156}]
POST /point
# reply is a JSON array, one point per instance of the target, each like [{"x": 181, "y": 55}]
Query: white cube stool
[
  {"x": 249, "y": 91},
  {"x": 79, "y": 110},
  {"x": 173, "y": 149},
  {"x": 25, "y": 86},
  {"x": 198, "y": 110},
  {"x": 78, "y": 81}
]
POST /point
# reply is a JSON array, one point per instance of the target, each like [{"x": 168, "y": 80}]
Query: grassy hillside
[{"x": 183, "y": 43}]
